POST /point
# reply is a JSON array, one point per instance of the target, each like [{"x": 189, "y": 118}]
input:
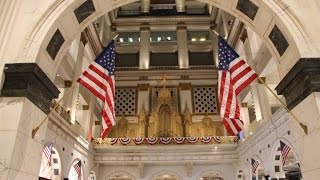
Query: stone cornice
[
  {"x": 301, "y": 81},
  {"x": 28, "y": 80}
]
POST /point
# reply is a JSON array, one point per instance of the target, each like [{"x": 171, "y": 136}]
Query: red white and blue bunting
[
  {"x": 165, "y": 140},
  {"x": 179, "y": 140},
  {"x": 206, "y": 139},
  {"x": 193, "y": 140},
  {"x": 217, "y": 139},
  {"x": 138, "y": 141},
  {"x": 168, "y": 140},
  {"x": 113, "y": 141},
  {"x": 152, "y": 140},
  {"x": 125, "y": 141}
]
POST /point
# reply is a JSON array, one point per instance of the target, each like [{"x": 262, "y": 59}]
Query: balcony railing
[
  {"x": 165, "y": 141},
  {"x": 165, "y": 11}
]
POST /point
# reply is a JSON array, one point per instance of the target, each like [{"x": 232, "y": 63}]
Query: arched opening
[
  {"x": 211, "y": 175},
  {"x": 76, "y": 170},
  {"x": 285, "y": 163},
  {"x": 50, "y": 167},
  {"x": 257, "y": 169}
]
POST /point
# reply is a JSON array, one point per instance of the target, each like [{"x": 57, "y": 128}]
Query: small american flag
[
  {"x": 77, "y": 168},
  {"x": 47, "y": 152},
  {"x": 235, "y": 74},
  {"x": 99, "y": 79},
  {"x": 285, "y": 149},
  {"x": 254, "y": 165}
]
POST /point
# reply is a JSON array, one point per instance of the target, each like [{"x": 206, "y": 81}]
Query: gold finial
[{"x": 164, "y": 79}]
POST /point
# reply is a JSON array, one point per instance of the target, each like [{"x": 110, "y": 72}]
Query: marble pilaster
[
  {"x": 144, "y": 53},
  {"x": 75, "y": 91},
  {"x": 182, "y": 41}
]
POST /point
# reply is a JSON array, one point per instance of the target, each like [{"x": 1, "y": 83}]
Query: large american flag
[
  {"x": 285, "y": 149},
  {"x": 99, "y": 79},
  {"x": 47, "y": 152},
  {"x": 234, "y": 75},
  {"x": 254, "y": 165},
  {"x": 77, "y": 169}
]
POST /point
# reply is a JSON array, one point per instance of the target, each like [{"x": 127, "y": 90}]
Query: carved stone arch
[
  {"x": 120, "y": 173},
  {"x": 176, "y": 174},
  {"x": 63, "y": 11},
  {"x": 212, "y": 172},
  {"x": 277, "y": 169},
  {"x": 261, "y": 168},
  {"x": 71, "y": 168}
]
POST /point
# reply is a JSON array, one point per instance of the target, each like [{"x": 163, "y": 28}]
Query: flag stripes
[{"x": 99, "y": 79}]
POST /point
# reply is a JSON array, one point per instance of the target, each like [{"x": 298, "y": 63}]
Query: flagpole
[
  {"x": 304, "y": 127},
  {"x": 35, "y": 130}
]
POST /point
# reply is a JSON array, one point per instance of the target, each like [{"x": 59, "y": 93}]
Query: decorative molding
[
  {"x": 28, "y": 80},
  {"x": 244, "y": 35},
  {"x": 185, "y": 86},
  {"x": 67, "y": 84},
  {"x": 85, "y": 107},
  {"x": 143, "y": 87},
  {"x": 244, "y": 105},
  {"x": 300, "y": 81}
]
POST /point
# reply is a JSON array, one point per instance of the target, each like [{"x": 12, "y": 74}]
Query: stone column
[
  {"x": 180, "y": 6},
  {"x": 75, "y": 91},
  {"x": 259, "y": 93},
  {"x": 8, "y": 14},
  {"x": 144, "y": 53},
  {"x": 91, "y": 116},
  {"x": 185, "y": 96},
  {"x": 182, "y": 42},
  {"x": 25, "y": 101},
  {"x": 245, "y": 118},
  {"x": 145, "y": 6},
  {"x": 214, "y": 40}
]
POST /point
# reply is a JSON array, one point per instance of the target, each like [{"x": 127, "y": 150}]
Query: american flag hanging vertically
[
  {"x": 285, "y": 149},
  {"x": 234, "y": 75},
  {"x": 77, "y": 169},
  {"x": 254, "y": 165},
  {"x": 99, "y": 79},
  {"x": 47, "y": 152}
]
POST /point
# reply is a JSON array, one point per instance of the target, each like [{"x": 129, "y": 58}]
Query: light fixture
[
  {"x": 139, "y": 39},
  {"x": 130, "y": 39},
  {"x": 193, "y": 39},
  {"x": 169, "y": 38},
  {"x": 226, "y": 37},
  {"x": 121, "y": 40},
  {"x": 215, "y": 147},
  {"x": 58, "y": 75},
  {"x": 159, "y": 39},
  {"x": 202, "y": 39},
  {"x": 250, "y": 133}
]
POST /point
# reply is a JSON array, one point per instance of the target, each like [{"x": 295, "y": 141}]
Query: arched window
[
  {"x": 76, "y": 171},
  {"x": 50, "y": 167},
  {"x": 285, "y": 162}
]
